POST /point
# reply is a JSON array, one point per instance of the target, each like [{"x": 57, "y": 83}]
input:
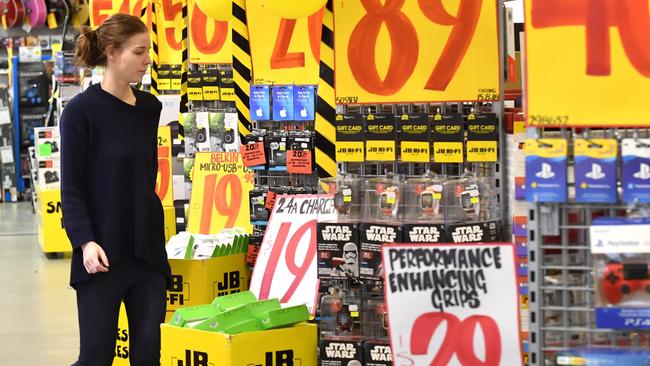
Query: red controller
[{"x": 623, "y": 279}]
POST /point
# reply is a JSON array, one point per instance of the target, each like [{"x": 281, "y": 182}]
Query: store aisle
[{"x": 37, "y": 307}]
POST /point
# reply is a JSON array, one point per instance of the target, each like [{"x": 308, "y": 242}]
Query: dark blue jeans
[{"x": 143, "y": 291}]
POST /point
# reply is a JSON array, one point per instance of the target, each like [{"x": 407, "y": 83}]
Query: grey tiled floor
[{"x": 38, "y": 314}]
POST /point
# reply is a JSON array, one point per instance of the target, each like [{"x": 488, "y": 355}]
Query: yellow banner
[
  {"x": 587, "y": 63},
  {"x": 209, "y": 38},
  {"x": 284, "y": 51},
  {"x": 164, "y": 180},
  {"x": 220, "y": 186},
  {"x": 415, "y": 51}
]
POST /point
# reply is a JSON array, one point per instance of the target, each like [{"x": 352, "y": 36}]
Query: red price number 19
[
  {"x": 459, "y": 339},
  {"x": 164, "y": 169},
  {"x": 214, "y": 196},
  {"x": 297, "y": 270},
  {"x": 405, "y": 45}
]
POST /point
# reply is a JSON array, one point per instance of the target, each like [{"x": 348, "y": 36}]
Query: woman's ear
[{"x": 111, "y": 54}]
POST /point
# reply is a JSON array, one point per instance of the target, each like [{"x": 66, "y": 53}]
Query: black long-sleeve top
[{"x": 109, "y": 165}]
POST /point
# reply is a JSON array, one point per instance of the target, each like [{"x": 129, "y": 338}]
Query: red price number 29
[
  {"x": 215, "y": 196},
  {"x": 405, "y": 45},
  {"x": 459, "y": 339},
  {"x": 164, "y": 170},
  {"x": 298, "y": 270}
]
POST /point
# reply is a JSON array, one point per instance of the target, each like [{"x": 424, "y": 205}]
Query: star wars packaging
[
  {"x": 595, "y": 170},
  {"x": 414, "y": 139},
  {"x": 636, "y": 170},
  {"x": 338, "y": 250},
  {"x": 372, "y": 237},
  {"x": 347, "y": 192},
  {"x": 381, "y": 134},
  {"x": 423, "y": 199},
  {"x": 340, "y": 353},
  {"x": 383, "y": 199},
  {"x": 277, "y": 148},
  {"x": 49, "y": 173},
  {"x": 350, "y": 139},
  {"x": 621, "y": 250},
  {"x": 482, "y": 138},
  {"x": 341, "y": 315},
  {"x": 376, "y": 348},
  {"x": 226, "y": 85},
  {"x": 210, "y": 84},
  {"x": 194, "y": 86},
  {"x": 477, "y": 232},
  {"x": 448, "y": 138}
]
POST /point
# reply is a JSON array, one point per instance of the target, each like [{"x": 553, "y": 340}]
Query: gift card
[
  {"x": 636, "y": 170},
  {"x": 546, "y": 170},
  {"x": 260, "y": 103},
  {"x": 283, "y": 103},
  {"x": 595, "y": 170},
  {"x": 303, "y": 102}
]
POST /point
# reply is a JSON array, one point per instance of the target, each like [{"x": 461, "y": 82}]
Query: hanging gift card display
[
  {"x": 595, "y": 170},
  {"x": 414, "y": 139},
  {"x": 380, "y": 137},
  {"x": 448, "y": 138},
  {"x": 350, "y": 139},
  {"x": 636, "y": 170},
  {"x": 260, "y": 102},
  {"x": 303, "y": 102},
  {"x": 482, "y": 138},
  {"x": 283, "y": 103},
  {"x": 546, "y": 170}
]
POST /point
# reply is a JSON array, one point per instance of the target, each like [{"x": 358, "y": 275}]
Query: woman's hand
[{"x": 95, "y": 259}]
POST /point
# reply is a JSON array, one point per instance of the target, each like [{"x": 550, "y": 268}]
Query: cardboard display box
[{"x": 287, "y": 346}]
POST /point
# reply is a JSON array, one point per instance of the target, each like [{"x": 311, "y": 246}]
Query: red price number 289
[
  {"x": 214, "y": 196},
  {"x": 459, "y": 339},
  {"x": 164, "y": 169},
  {"x": 298, "y": 270},
  {"x": 405, "y": 45}
]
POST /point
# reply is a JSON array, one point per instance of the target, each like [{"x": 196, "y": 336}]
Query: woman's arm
[{"x": 74, "y": 155}]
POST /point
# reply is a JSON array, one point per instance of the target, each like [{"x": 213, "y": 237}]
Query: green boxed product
[
  {"x": 260, "y": 308},
  {"x": 193, "y": 314},
  {"x": 234, "y": 319},
  {"x": 189, "y": 252},
  {"x": 285, "y": 317},
  {"x": 250, "y": 325},
  {"x": 228, "y": 302}
]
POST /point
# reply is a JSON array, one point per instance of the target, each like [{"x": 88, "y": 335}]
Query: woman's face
[{"x": 130, "y": 62}]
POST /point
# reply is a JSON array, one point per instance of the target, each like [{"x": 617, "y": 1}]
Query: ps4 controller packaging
[{"x": 621, "y": 248}]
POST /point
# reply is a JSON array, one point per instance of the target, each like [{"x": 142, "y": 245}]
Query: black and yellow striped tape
[
  {"x": 325, "y": 142},
  {"x": 242, "y": 65},
  {"x": 154, "y": 45},
  {"x": 184, "y": 58}
]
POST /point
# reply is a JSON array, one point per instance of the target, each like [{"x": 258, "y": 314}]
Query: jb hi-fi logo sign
[
  {"x": 230, "y": 284},
  {"x": 179, "y": 292},
  {"x": 192, "y": 358},
  {"x": 279, "y": 358}
]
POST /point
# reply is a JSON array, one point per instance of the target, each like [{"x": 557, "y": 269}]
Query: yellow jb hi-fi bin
[
  {"x": 194, "y": 282},
  {"x": 287, "y": 346},
  {"x": 51, "y": 232}
]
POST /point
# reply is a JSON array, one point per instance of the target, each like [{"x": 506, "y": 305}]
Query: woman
[{"x": 111, "y": 212}]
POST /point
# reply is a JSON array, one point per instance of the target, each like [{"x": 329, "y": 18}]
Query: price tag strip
[
  {"x": 286, "y": 266},
  {"x": 469, "y": 290}
]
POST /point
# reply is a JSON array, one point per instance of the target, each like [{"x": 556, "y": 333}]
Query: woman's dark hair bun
[{"x": 87, "y": 52}]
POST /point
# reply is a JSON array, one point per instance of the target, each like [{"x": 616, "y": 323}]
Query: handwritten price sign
[
  {"x": 413, "y": 51},
  {"x": 164, "y": 180},
  {"x": 286, "y": 263},
  {"x": 219, "y": 193},
  {"x": 470, "y": 291},
  {"x": 283, "y": 50},
  {"x": 209, "y": 38},
  {"x": 587, "y": 63}
]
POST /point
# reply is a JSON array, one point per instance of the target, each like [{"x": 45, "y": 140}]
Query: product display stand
[{"x": 561, "y": 280}]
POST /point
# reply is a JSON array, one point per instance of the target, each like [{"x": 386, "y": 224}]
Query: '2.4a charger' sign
[
  {"x": 452, "y": 304},
  {"x": 286, "y": 267}
]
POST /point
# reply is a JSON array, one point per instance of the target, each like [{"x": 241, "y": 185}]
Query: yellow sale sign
[
  {"x": 283, "y": 51},
  {"x": 587, "y": 63},
  {"x": 220, "y": 187},
  {"x": 209, "y": 39},
  {"x": 164, "y": 180},
  {"x": 398, "y": 51}
]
